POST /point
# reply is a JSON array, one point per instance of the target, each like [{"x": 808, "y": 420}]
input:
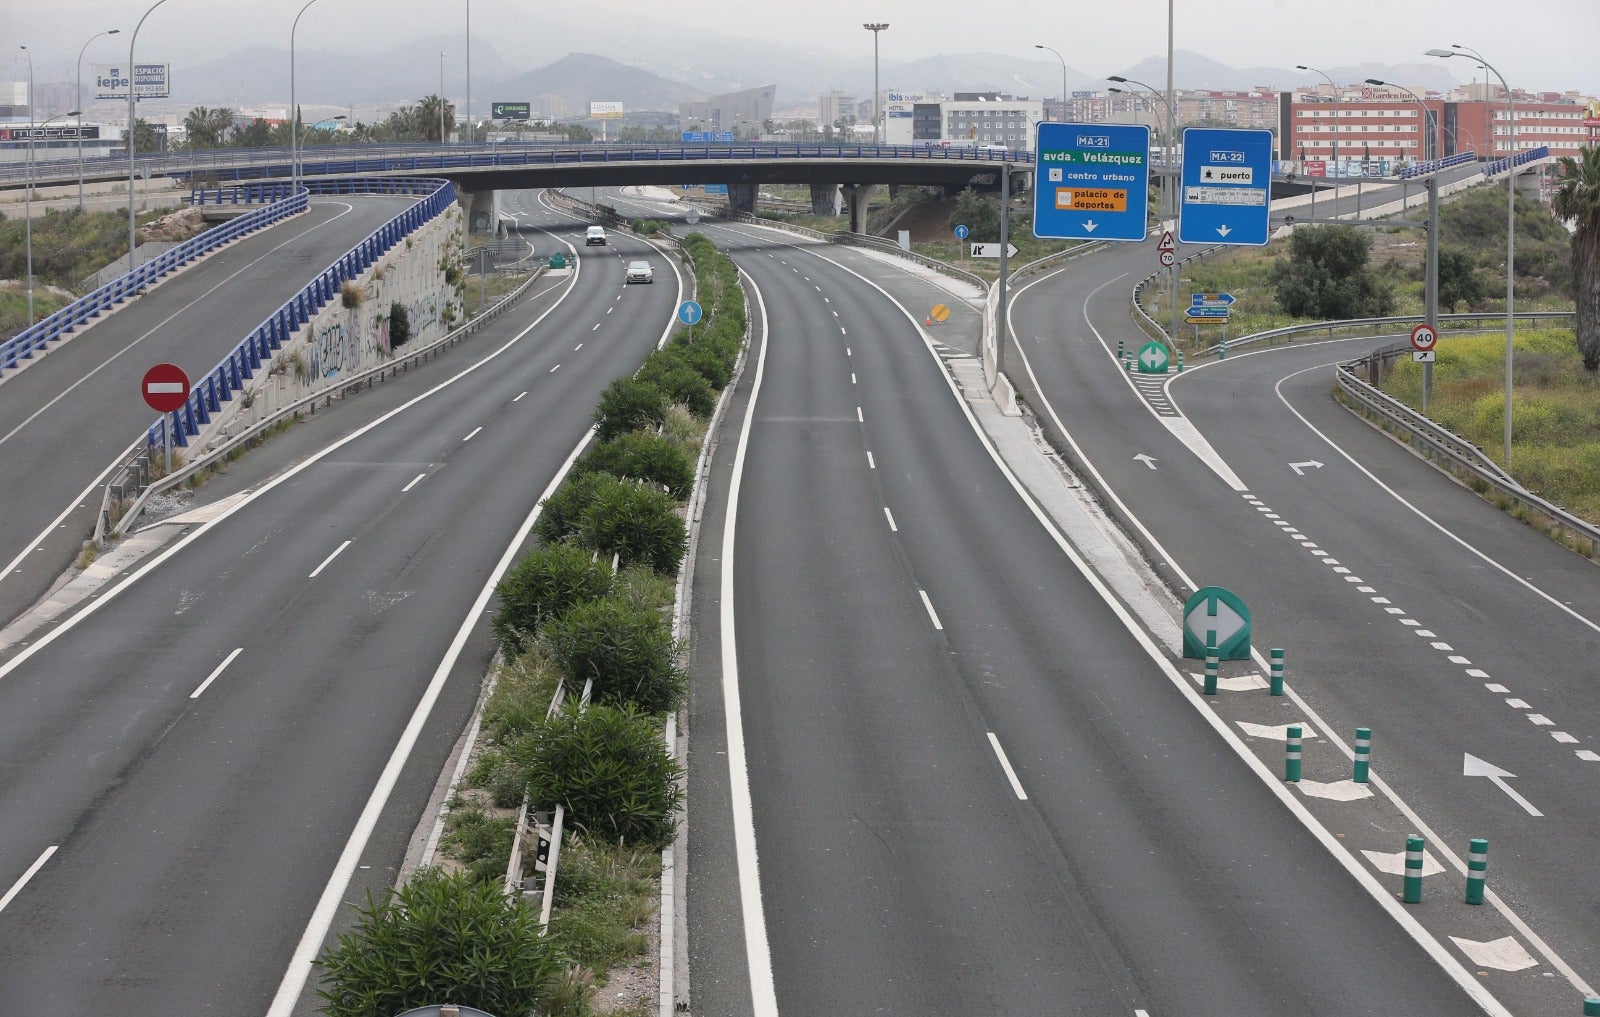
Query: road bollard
[
  {"x": 1211, "y": 669},
  {"x": 1127, "y": 363},
  {"x": 1591, "y": 1007},
  {"x": 1180, "y": 361},
  {"x": 1363, "y": 753},
  {"x": 1222, "y": 350},
  {"x": 1477, "y": 869},
  {"x": 1413, "y": 884},
  {"x": 1276, "y": 686},
  {"x": 1121, "y": 351},
  {"x": 1291, "y": 754}
]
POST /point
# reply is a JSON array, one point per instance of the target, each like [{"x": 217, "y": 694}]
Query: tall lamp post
[
  {"x": 27, "y": 202},
  {"x": 294, "y": 109},
  {"x": 877, "y": 115},
  {"x": 1324, "y": 76},
  {"x": 466, "y": 126},
  {"x": 1169, "y": 194},
  {"x": 133, "y": 240},
  {"x": 1063, "y": 76},
  {"x": 78, "y": 94},
  {"x": 1511, "y": 212},
  {"x": 441, "y": 97}
]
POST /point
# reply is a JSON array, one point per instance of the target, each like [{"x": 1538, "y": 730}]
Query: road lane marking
[
  {"x": 518, "y": 399},
  {"x": 213, "y": 675},
  {"x": 577, "y": 347},
  {"x": 932, "y": 614},
  {"x": 852, "y": 377},
  {"x": 325, "y": 562},
  {"x": 418, "y": 478},
  {"x": 870, "y": 464},
  {"x": 16, "y": 887},
  {"x": 596, "y": 327},
  {"x": 554, "y": 369},
  {"x": 859, "y": 418},
  {"x": 890, "y": 516},
  {"x": 1005, "y": 764},
  {"x": 474, "y": 432}
]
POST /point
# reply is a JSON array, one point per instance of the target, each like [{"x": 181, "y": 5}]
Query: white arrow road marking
[
  {"x": 1301, "y": 468},
  {"x": 1240, "y": 683},
  {"x": 1146, "y": 458},
  {"x": 1394, "y": 862},
  {"x": 1338, "y": 791},
  {"x": 1501, "y": 954},
  {"x": 1277, "y": 732},
  {"x": 1472, "y": 766}
]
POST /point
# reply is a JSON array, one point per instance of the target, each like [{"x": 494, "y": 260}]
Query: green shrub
[
  {"x": 629, "y": 404},
  {"x": 546, "y": 582},
  {"x": 641, "y": 456},
  {"x": 399, "y": 325},
  {"x": 635, "y": 522},
  {"x": 681, "y": 383},
  {"x": 625, "y": 648},
  {"x": 610, "y": 768},
  {"x": 523, "y": 685},
  {"x": 482, "y": 843},
  {"x": 559, "y": 516},
  {"x": 440, "y": 937}
]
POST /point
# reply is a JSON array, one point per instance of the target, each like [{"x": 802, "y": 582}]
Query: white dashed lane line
[
  {"x": 328, "y": 560},
  {"x": 932, "y": 614},
  {"x": 1005, "y": 764},
  {"x": 418, "y": 479},
  {"x": 518, "y": 399},
  {"x": 1399, "y": 614},
  {"x": 33, "y": 870},
  {"x": 890, "y": 516},
  {"x": 472, "y": 434},
  {"x": 213, "y": 675}
]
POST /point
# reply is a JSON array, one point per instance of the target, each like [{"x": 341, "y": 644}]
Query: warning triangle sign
[{"x": 1166, "y": 242}]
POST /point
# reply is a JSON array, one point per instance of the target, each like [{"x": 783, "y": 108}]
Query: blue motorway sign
[
  {"x": 1202, "y": 311},
  {"x": 703, "y": 137},
  {"x": 1227, "y": 186},
  {"x": 1091, "y": 181},
  {"x": 1211, "y": 300},
  {"x": 689, "y": 312}
]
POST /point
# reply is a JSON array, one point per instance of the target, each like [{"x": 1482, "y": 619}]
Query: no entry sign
[{"x": 165, "y": 387}]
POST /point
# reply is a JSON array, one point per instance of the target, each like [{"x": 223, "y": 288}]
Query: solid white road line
[
  {"x": 472, "y": 434},
  {"x": 419, "y": 477},
  {"x": 758, "y": 952},
  {"x": 554, "y": 369},
  {"x": 932, "y": 614},
  {"x": 38, "y": 864},
  {"x": 890, "y": 516},
  {"x": 1005, "y": 764},
  {"x": 213, "y": 675},
  {"x": 518, "y": 399},
  {"x": 337, "y": 551}
]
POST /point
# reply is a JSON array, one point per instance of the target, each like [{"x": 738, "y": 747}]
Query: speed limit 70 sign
[{"x": 1423, "y": 337}]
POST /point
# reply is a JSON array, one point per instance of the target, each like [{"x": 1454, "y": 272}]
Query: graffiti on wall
[{"x": 333, "y": 348}]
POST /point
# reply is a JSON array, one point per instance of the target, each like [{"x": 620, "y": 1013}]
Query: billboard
[
  {"x": 510, "y": 110},
  {"x": 605, "y": 110},
  {"x": 150, "y": 81},
  {"x": 51, "y": 132},
  {"x": 704, "y": 137}
]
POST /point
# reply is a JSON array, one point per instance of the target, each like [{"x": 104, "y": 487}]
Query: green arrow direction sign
[
  {"x": 1153, "y": 358},
  {"x": 1217, "y": 616}
]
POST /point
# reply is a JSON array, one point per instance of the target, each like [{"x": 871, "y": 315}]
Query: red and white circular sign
[
  {"x": 1423, "y": 337},
  {"x": 165, "y": 387}
]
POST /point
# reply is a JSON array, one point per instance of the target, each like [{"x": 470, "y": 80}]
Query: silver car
[{"x": 639, "y": 272}]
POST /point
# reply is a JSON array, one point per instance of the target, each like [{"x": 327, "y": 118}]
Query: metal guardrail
[
  {"x": 1376, "y": 326},
  {"x": 242, "y": 194},
  {"x": 1444, "y": 448},
  {"x": 42, "y": 333}
]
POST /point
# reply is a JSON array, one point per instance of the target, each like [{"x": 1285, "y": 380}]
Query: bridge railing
[
  {"x": 218, "y": 386},
  {"x": 242, "y": 194},
  {"x": 37, "y": 337}
]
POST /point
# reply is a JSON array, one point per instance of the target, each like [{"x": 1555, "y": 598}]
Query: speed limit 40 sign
[{"x": 1423, "y": 338}]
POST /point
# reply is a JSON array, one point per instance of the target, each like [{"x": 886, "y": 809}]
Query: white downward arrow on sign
[
  {"x": 1472, "y": 766},
  {"x": 1089, "y": 225},
  {"x": 1223, "y": 229}
]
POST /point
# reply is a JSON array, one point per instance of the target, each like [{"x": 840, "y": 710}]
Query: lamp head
[
  {"x": 1119, "y": 91},
  {"x": 113, "y": 31},
  {"x": 1117, "y": 78},
  {"x": 1301, "y": 67},
  {"x": 1441, "y": 53},
  {"x": 875, "y": 26},
  {"x": 1376, "y": 81}
]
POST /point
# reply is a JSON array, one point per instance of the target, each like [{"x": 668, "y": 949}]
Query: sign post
[
  {"x": 1423, "y": 339},
  {"x": 1227, "y": 180},
  {"x": 165, "y": 388}
]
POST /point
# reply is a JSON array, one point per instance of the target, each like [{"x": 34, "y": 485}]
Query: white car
[
  {"x": 639, "y": 272},
  {"x": 594, "y": 235}
]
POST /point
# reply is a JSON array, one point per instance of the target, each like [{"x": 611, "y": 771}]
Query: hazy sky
[{"x": 1547, "y": 45}]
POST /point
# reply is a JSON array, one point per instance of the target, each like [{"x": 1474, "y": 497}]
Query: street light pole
[
  {"x": 1336, "y": 168},
  {"x": 1511, "y": 216},
  {"x": 1063, "y": 76},
  {"x": 133, "y": 240},
  {"x": 27, "y": 191},
  {"x": 1169, "y": 192},
  {"x": 78, "y": 94},
  {"x": 466, "y": 128},
  {"x": 294, "y": 109},
  {"x": 441, "y": 97},
  {"x": 877, "y": 114}
]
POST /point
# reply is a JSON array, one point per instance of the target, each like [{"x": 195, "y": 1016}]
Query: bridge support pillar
[
  {"x": 742, "y": 198},
  {"x": 825, "y": 199},
  {"x": 855, "y": 197},
  {"x": 482, "y": 208}
]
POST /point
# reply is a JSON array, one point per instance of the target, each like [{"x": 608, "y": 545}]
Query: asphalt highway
[
  {"x": 67, "y": 416},
  {"x": 202, "y": 768},
  {"x": 972, "y": 788}
]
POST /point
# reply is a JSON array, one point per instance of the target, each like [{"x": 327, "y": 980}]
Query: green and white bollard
[
  {"x": 1291, "y": 754},
  {"x": 1477, "y": 869},
  {"x": 1363, "y": 753},
  {"x": 1180, "y": 361},
  {"x": 1121, "y": 350},
  {"x": 1591, "y": 1007},
  {"x": 1222, "y": 349},
  {"x": 1276, "y": 686},
  {"x": 1211, "y": 669},
  {"x": 1413, "y": 884}
]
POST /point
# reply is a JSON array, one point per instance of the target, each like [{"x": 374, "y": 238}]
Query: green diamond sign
[
  {"x": 1153, "y": 358},
  {"x": 1216, "y": 616}
]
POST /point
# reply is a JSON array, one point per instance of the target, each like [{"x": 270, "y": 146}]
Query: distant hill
[{"x": 580, "y": 78}]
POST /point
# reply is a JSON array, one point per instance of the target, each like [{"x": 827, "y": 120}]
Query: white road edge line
[
  {"x": 328, "y": 560},
  {"x": 33, "y": 870},
  {"x": 213, "y": 675},
  {"x": 758, "y": 952},
  {"x": 1385, "y": 899},
  {"x": 1005, "y": 764},
  {"x": 932, "y": 614},
  {"x": 416, "y": 480}
]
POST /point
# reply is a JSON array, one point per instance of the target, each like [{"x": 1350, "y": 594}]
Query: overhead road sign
[
  {"x": 1091, "y": 181},
  {"x": 1227, "y": 177},
  {"x": 707, "y": 137},
  {"x": 510, "y": 111},
  {"x": 993, "y": 250}
]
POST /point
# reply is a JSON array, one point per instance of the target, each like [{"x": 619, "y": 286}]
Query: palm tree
[
  {"x": 200, "y": 128},
  {"x": 426, "y": 121},
  {"x": 1579, "y": 200}
]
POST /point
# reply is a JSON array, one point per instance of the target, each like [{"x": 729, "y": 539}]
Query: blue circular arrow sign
[
  {"x": 961, "y": 232},
  {"x": 689, "y": 312}
]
